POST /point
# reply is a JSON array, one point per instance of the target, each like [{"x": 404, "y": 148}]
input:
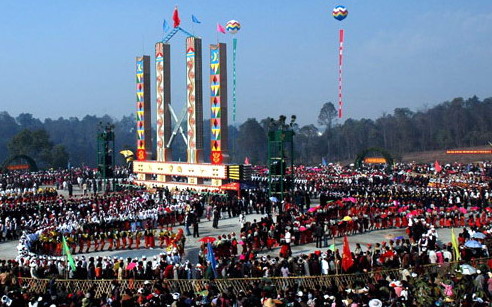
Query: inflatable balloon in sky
[
  {"x": 233, "y": 26},
  {"x": 340, "y": 12}
]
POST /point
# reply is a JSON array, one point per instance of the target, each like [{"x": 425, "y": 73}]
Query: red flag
[
  {"x": 246, "y": 161},
  {"x": 437, "y": 167},
  {"x": 221, "y": 29},
  {"x": 176, "y": 19},
  {"x": 347, "y": 260}
]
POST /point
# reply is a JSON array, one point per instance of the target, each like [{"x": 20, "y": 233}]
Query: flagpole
[
  {"x": 334, "y": 253},
  {"x": 217, "y": 33}
]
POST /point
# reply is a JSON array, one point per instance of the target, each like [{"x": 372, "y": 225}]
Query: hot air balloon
[
  {"x": 340, "y": 12},
  {"x": 233, "y": 26}
]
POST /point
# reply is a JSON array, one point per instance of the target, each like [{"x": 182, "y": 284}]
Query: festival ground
[{"x": 8, "y": 250}]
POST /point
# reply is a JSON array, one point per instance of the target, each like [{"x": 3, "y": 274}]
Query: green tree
[
  {"x": 37, "y": 145},
  {"x": 252, "y": 142},
  {"x": 59, "y": 156},
  {"x": 327, "y": 115}
]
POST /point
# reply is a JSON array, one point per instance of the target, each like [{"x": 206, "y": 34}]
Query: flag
[
  {"x": 347, "y": 260},
  {"x": 332, "y": 247},
  {"x": 194, "y": 19},
  {"x": 437, "y": 167},
  {"x": 323, "y": 161},
  {"x": 246, "y": 161},
  {"x": 220, "y": 28},
  {"x": 454, "y": 242},
  {"x": 66, "y": 251},
  {"x": 165, "y": 26},
  {"x": 176, "y": 19},
  {"x": 211, "y": 258}
]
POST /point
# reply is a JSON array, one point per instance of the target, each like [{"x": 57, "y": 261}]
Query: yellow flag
[{"x": 454, "y": 242}]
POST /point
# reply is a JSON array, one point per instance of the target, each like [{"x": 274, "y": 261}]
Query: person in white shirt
[
  {"x": 432, "y": 257},
  {"x": 288, "y": 237}
]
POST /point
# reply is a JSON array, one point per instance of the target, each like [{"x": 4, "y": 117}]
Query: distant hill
[{"x": 442, "y": 157}]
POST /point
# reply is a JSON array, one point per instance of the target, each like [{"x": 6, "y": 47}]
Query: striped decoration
[
  {"x": 233, "y": 26},
  {"x": 140, "y": 104},
  {"x": 340, "y": 65},
  {"x": 340, "y": 12}
]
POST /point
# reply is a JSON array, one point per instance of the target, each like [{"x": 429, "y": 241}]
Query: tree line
[
  {"x": 451, "y": 124},
  {"x": 457, "y": 123}
]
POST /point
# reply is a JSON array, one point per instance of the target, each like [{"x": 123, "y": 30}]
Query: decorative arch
[
  {"x": 362, "y": 155},
  {"x": 33, "y": 167}
]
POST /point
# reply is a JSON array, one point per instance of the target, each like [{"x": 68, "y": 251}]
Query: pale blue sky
[{"x": 76, "y": 57}]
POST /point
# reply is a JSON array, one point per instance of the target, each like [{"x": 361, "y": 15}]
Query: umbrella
[
  {"x": 207, "y": 240},
  {"x": 314, "y": 209},
  {"x": 478, "y": 235},
  {"x": 240, "y": 242},
  {"x": 274, "y": 199},
  {"x": 203, "y": 293},
  {"x": 131, "y": 265},
  {"x": 399, "y": 238},
  {"x": 462, "y": 210},
  {"x": 467, "y": 269},
  {"x": 473, "y": 244},
  {"x": 347, "y": 218},
  {"x": 302, "y": 228}
]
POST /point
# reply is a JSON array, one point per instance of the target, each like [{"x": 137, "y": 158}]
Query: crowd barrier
[{"x": 101, "y": 287}]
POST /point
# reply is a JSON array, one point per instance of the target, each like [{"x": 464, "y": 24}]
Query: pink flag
[
  {"x": 221, "y": 29},
  {"x": 437, "y": 167}
]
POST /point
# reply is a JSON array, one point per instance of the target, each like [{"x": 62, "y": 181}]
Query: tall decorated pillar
[
  {"x": 218, "y": 104},
  {"x": 144, "y": 139},
  {"x": 163, "y": 100},
  {"x": 194, "y": 101}
]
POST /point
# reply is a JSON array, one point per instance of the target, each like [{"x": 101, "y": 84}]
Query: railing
[{"x": 196, "y": 285}]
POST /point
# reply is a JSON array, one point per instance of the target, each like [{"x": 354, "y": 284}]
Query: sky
[{"x": 64, "y": 58}]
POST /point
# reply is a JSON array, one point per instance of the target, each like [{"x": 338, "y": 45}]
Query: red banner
[
  {"x": 18, "y": 167},
  {"x": 141, "y": 154},
  {"x": 234, "y": 186},
  {"x": 469, "y": 152},
  {"x": 375, "y": 160},
  {"x": 216, "y": 157}
]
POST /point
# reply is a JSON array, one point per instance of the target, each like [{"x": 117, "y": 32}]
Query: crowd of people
[{"x": 413, "y": 197}]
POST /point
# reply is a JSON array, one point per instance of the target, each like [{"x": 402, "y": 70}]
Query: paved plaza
[{"x": 8, "y": 250}]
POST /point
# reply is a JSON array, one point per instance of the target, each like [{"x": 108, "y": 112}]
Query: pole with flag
[
  {"x": 347, "y": 260},
  {"x": 193, "y": 21},
  {"x": 437, "y": 167},
  {"x": 220, "y": 29},
  {"x": 454, "y": 243},
  {"x": 165, "y": 26},
  {"x": 211, "y": 258},
  {"x": 176, "y": 19},
  {"x": 66, "y": 252}
]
